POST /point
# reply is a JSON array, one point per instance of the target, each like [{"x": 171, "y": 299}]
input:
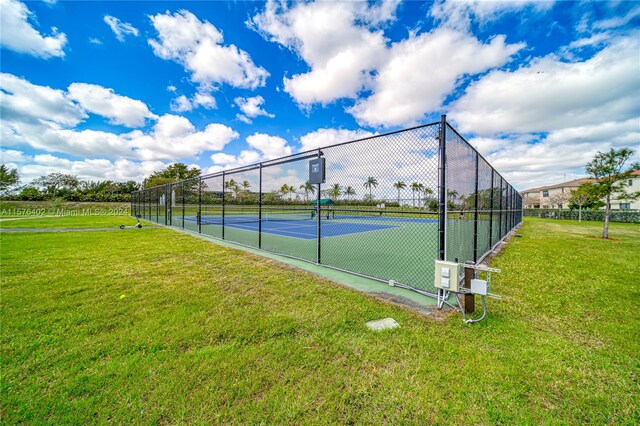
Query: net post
[
  {"x": 260, "y": 209},
  {"x": 442, "y": 208},
  {"x": 157, "y": 205},
  {"x": 318, "y": 220},
  {"x": 223, "y": 178},
  {"x": 200, "y": 205},
  {"x": 475, "y": 215}
]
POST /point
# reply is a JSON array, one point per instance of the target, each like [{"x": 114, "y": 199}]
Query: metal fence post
[
  {"x": 182, "y": 204},
  {"x": 260, "y": 209},
  {"x": 442, "y": 205},
  {"x": 501, "y": 208},
  {"x": 491, "y": 210},
  {"x": 318, "y": 219},
  {"x": 223, "y": 178},
  {"x": 169, "y": 203},
  {"x": 475, "y": 215},
  {"x": 200, "y": 205}
]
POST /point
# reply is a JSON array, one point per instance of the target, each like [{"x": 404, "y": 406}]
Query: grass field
[
  {"x": 153, "y": 326},
  {"x": 61, "y": 214}
]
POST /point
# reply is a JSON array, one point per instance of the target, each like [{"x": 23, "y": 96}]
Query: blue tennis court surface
[{"x": 304, "y": 229}]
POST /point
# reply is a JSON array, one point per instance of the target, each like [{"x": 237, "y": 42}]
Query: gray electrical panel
[{"x": 316, "y": 170}]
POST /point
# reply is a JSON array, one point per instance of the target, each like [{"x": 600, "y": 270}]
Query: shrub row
[
  {"x": 78, "y": 197},
  {"x": 629, "y": 216}
]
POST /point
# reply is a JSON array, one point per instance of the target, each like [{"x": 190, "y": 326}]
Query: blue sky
[{"x": 116, "y": 90}]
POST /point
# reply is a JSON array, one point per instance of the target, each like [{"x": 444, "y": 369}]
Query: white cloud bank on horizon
[{"x": 47, "y": 119}]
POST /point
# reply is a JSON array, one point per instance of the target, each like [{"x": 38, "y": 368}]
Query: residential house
[{"x": 557, "y": 196}]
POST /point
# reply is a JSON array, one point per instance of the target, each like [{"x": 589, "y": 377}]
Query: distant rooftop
[{"x": 571, "y": 183}]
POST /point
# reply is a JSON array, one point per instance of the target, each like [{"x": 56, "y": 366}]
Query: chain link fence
[{"x": 390, "y": 205}]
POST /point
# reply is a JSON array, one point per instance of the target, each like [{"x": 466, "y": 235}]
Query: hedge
[{"x": 629, "y": 216}]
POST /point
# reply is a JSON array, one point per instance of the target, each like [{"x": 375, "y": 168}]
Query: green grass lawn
[
  {"x": 68, "y": 222},
  {"x": 61, "y": 214},
  {"x": 154, "y": 326}
]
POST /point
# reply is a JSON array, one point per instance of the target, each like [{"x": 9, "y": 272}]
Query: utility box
[
  {"x": 479, "y": 287},
  {"x": 447, "y": 276}
]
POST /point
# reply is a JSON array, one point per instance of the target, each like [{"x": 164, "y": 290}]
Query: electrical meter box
[
  {"x": 447, "y": 275},
  {"x": 316, "y": 170}
]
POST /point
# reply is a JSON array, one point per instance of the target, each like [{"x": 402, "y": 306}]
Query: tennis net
[{"x": 254, "y": 217}]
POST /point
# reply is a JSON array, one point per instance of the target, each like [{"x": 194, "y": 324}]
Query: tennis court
[
  {"x": 357, "y": 242},
  {"x": 387, "y": 205},
  {"x": 305, "y": 226}
]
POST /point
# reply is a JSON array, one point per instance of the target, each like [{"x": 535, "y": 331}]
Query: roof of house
[{"x": 571, "y": 183}]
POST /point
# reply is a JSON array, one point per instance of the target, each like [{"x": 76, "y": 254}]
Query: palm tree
[
  {"x": 371, "y": 183},
  {"x": 308, "y": 188},
  {"x": 416, "y": 187},
  {"x": 427, "y": 193},
  {"x": 284, "y": 190},
  {"x": 335, "y": 191},
  {"x": 246, "y": 185},
  {"x": 349, "y": 191},
  {"x": 232, "y": 185},
  {"x": 452, "y": 197},
  {"x": 399, "y": 185},
  {"x": 292, "y": 190}
]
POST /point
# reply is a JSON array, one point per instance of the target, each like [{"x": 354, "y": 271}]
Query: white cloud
[
  {"x": 526, "y": 162},
  {"x": 329, "y": 37},
  {"x": 459, "y": 13},
  {"x": 173, "y": 137},
  {"x": 617, "y": 21},
  {"x": 119, "y": 28},
  {"x": 269, "y": 146},
  {"x": 348, "y": 55},
  {"x": 182, "y": 103},
  {"x": 227, "y": 161},
  {"x": 46, "y": 119},
  {"x": 264, "y": 147},
  {"x": 90, "y": 169},
  {"x": 103, "y": 101},
  {"x": 326, "y": 136},
  {"x": 26, "y": 102},
  {"x": 402, "y": 95},
  {"x": 251, "y": 107},
  {"x": 551, "y": 94},
  {"x": 95, "y": 41},
  {"x": 204, "y": 100},
  {"x": 13, "y": 156},
  {"x": 243, "y": 118},
  {"x": 17, "y": 34},
  {"x": 171, "y": 88},
  {"x": 197, "y": 46}
]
